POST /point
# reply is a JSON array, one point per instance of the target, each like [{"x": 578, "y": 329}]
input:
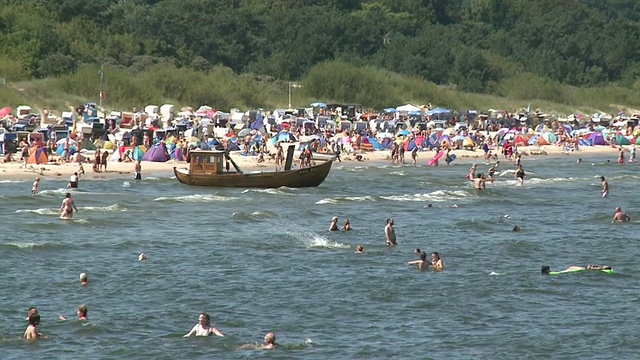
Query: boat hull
[{"x": 305, "y": 177}]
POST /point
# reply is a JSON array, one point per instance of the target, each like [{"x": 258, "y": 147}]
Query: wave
[
  {"x": 126, "y": 184},
  {"x": 279, "y": 191},
  {"x": 30, "y": 246},
  {"x": 11, "y": 181},
  {"x": 114, "y": 207},
  {"x": 341, "y": 199},
  {"x": 399, "y": 173},
  {"x": 41, "y": 211},
  {"x": 550, "y": 180},
  {"x": 196, "y": 198},
  {"x": 435, "y": 196},
  {"x": 322, "y": 242},
  {"x": 256, "y": 215}
]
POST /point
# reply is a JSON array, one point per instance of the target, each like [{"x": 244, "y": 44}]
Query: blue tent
[
  {"x": 283, "y": 135},
  {"x": 318, "y": 104},
  {"x": 389, "y": 110},
  {"x": 438, "y": 110},
  {"x": 60, "y": 149}
]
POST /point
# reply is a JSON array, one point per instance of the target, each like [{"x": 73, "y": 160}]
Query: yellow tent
[{"x": 468, "y": 142}]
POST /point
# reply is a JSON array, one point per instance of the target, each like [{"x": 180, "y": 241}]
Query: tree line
[{"x": 472, "y": 45}]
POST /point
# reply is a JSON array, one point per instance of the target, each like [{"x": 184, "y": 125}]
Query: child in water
[{"x": 34, "y": 190}]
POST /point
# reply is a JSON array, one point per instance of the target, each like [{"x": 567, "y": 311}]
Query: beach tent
[
  {"x": 156, "y": 153},
  {"x": 519, "y": 140},
  {"x": 621, "y": 140},
  {"x": 597, "y": 138},
  {"x": 444, "y": 139},
  {"x": 283, "y": 135},
  {"x": 60, "y": 149},
  {"x": 374, "y": 143},
  {"x": 468, "y": 142},
  {"x": 408, "y": 108},
  {"x": 537, "y": 138},
  {"x": 549, "y": 137},
  {"x": 38, "y": 155},
  {"x": 438, "y": 110}
]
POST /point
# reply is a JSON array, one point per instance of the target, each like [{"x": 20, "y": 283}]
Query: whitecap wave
[
  {"x": 10, "y": 181},
  {"x": 399, "y": 173},
  {"x": 278, "y": 191},
  {"x": 126, "y": 184},
  {"x": 41, "y": 211},
  {"x": 196, "y": 198},
  {"x": 340, "y": 199},
  {"x": 322, "y": 242},
  {"x": 114, "y": 207},
  {"x": 435, "y": 196}
]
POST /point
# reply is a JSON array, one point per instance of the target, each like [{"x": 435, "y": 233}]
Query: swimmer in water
[
  {"x": 346, "y": 226},
  {"x": 142, "y": 257},
  {"x": 34, "y": 189},
  {"x": 67, "y": 208},
  {"x": 81, "y": 312},
  {"x": 333, "y": 226},
  {"x": 546, "y": 270},
  {"x": 605, "y": 187},
  {"x": 390, "y": 232},
  {"x": 83, "y": 279},
  {"x": 359, "y": 249},
  {"x": 269, "y": 343},
  {"x": 31, "y": 333},
  {"x": 421, "y": 262},
  {"x": 436, "y": 261},
  {"x": 620, "y": 216},
  {"x": 516, "y": 228},
  {"x": 203, "y": 327}
]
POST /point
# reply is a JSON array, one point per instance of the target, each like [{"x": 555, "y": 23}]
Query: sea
[{"x": 261, "y": 260}]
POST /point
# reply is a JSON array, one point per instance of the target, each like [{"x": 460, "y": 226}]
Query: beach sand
[{"x": 13, "y": 170}]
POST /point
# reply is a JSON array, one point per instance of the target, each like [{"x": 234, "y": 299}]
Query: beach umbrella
[
  {"x": 549, "y": 137},
  {"x": 71, "y": 141},
  {"x": 244, "y": 132},
  {"x": 5, "y": 111},
  {"x": 389, "y": 110},
  {"x": 403, "y": 132},
  {"x": 318, "y": 104}
]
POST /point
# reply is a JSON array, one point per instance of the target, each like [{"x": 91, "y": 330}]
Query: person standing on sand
[
  {"x": 390, "y": 232},
  {"x": 605, "y": 187},
  {"x": 67, "y": 208},
  {"x": 96, "y": 160},
  {"x": 105, "y": 157}
]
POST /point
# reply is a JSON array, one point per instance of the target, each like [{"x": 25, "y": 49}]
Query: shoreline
[{"x": 120, "y": 170}]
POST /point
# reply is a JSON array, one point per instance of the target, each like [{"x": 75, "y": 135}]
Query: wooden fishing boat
[{"x": 211, "y": 168}]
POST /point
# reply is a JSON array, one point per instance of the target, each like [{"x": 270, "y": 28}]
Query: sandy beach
[{"x": 14, "y": 171}]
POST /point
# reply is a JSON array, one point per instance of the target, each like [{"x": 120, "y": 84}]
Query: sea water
[{"x": 264, "y": 260}]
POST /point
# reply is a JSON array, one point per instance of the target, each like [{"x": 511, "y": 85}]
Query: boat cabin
[{"x": 211, "y": 162}]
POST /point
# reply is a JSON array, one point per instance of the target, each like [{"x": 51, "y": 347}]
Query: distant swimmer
[
  {"x": 579, "y": 161},
  {"x": 520, "y": 176},
  {"x": 359, "y": 249},
  {"x": 84, "y": 280},
  {"x": 81, "y": 312},
  {"x": 620, "y": 155},
  {"x": 421, "y": 263},
  {"x": 73, "y": 181},
  {"x": 546, "y": 270},
  {"x": 436, "y": 261},
  {"x": 34, "y": 189},
  {"x": 621, "y": 216},
  {"x": 390, "y": 232},
  {"x": 346, "y": 226},
  {"x": 516, "y": 228},
  {"x": 68, "y": 207},
  {"x": 269, "y": 342},
  {"x": 203, "y": 327},
  {"x": 333, "y": 226},
  {"x": 605, "y": 187},
  {"x": 142, "y": 257}
]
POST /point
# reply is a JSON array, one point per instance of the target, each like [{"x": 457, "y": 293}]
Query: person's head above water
[
  {"x": 270, "y": 338},
  {"x": 545, "y": 270}
]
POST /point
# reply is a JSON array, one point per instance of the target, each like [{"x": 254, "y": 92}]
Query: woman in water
[
  {"x": 203, "y": 327},
  {"x": 31, "y": 333},
  {"x": 333, "y": 226},
  {"x": 620, "y": 155},
  {"x": 436, "y": 261},
  {"x": 346, "y": 226}
]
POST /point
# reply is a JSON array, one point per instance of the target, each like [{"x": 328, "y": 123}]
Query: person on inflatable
[{"x": 546, "y": 270}]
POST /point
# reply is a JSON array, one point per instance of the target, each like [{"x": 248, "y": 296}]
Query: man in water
[
  {"x": 73, "y": 181},
  {"x": 269, "y": 341},
  {"x": 390, "y": 232},
  {"x": 479, "y": 182},
  {"x": 546, "y": 270},
  {"x": 34, "y": 189},
  {"x": 621, "y": 216},
  {"x": 67, "y": 208},
  {"x": 421, "y": 262},
  {"x": 605, "y": 187}
]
